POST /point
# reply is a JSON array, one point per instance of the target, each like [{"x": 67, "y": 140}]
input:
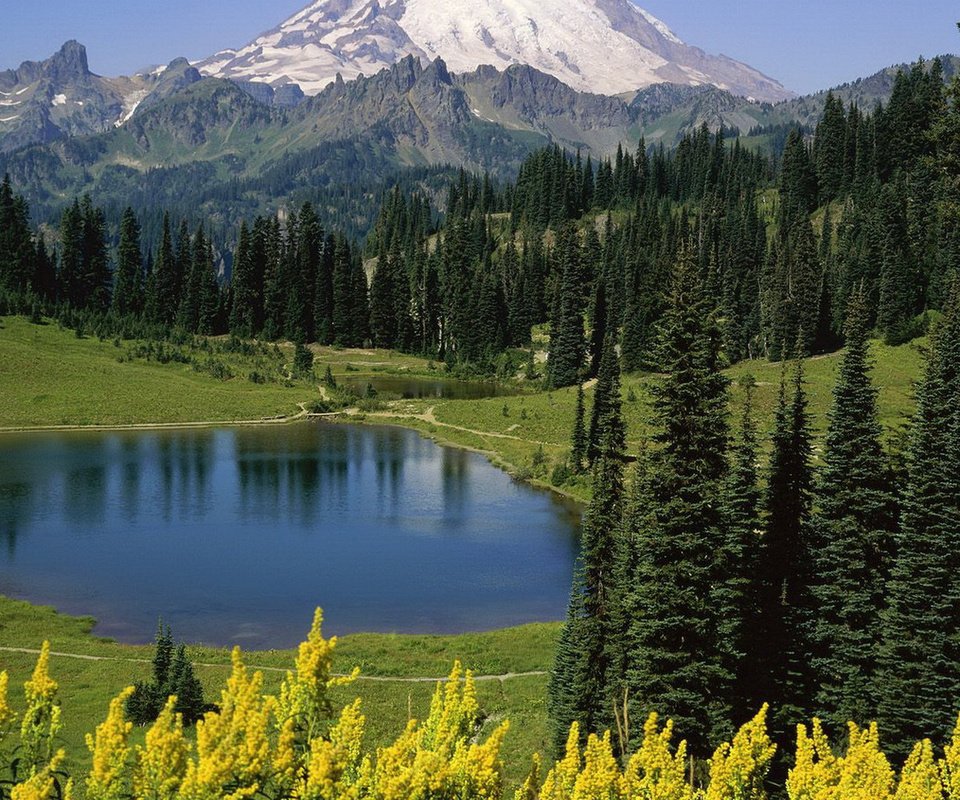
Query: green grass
[
  {"x": 50, "y": 377},
  {"x": 547, "y": 418},
  {"x": 86, "y": 687}
]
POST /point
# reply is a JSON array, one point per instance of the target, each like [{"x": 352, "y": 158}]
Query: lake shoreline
[{"x": 349, "y": 416}]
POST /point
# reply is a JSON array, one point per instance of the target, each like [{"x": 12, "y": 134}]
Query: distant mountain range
[{"x": 172, "y": 136}]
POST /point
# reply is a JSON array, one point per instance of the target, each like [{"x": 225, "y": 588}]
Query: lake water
[
  {"x": 235, "y": 535},
  {"x": 426, "y": 388}
]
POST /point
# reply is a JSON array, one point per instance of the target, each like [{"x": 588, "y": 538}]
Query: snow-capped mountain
[{"x": 601, "y": 46}]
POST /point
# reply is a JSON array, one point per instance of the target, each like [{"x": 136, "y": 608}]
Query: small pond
[{"x": 234, "y": 535}]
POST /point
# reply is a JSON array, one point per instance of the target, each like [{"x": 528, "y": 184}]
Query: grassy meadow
[{"x": 87, "y": 685}]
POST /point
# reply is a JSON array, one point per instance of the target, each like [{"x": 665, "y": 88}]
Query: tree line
[{"x": 580, "y": 247}]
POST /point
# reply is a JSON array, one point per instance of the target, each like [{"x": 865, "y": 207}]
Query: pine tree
[
  {"x": 184, "y": 684},
  {"x": 16, "y": 245},
  {"x": 852, "y": 534},
  {"x": 244, "y": 313},
  {"x": 739, "y": 597},
  {"x": 605, "y": 416},
  {"x": 578, "y": 440},
  {"x": 162, "y": 289},
  {"x": 677, "y": 663},
  {"x": 567, "y": 343},
  {"x": 779, "y": 642},
  {"x": 919, "y": 675},
  {"x": 126, "y": 278},
  {"x": 580, "y": 684},
  {"x": 829, "y": 149}
]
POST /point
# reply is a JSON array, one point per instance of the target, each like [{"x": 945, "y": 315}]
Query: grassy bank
[
  {"x": 86, "y": 685},
  {"x": 49, "y": 377}
]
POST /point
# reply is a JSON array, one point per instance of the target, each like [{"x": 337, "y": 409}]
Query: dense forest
[
  {"x": 707, "y": 585},
  {"x": 780, "y": 247}
]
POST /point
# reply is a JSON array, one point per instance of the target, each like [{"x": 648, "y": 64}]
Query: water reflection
[{"x": 236, "y": 534}]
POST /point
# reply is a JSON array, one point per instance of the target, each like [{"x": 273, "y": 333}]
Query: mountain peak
[
  {"x": 601, "y": 46},
  {"x": 69, "y": 61}
]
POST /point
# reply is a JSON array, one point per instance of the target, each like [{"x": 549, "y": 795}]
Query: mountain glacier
[{"x": 601, "y": 46}]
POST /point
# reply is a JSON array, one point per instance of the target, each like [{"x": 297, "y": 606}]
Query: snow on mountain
[{"x": 601, "y": 46}]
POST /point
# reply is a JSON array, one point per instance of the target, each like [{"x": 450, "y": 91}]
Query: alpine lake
[{"x": 234, "y": 535}]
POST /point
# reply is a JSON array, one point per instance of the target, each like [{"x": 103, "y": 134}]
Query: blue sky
[{"x": 806, "y": 44}]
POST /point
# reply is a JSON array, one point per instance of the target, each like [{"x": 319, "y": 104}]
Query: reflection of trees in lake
[
  {"x": 16, "y": 509},
  {"x": 85, "y": 494},
  {"x": 183, "y": 465},
  {"x": 389, "y": 453},
  {"x": 455, "y": 469},
  {"x": 130, "y": 470}
]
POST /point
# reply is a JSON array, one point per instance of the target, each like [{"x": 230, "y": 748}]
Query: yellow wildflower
[
  {"x": 865, "y": 773},
  {"x": 738, "y": 769},
  {"x": 41, "y": 720},
  {"x": 333, "y": 763},
  {"x": 920, "y": 778},
  {"x": 42, "y": 785},
  {"x": 531, "y": 785},
  {"x": 304, "y": 696},
  {"x": 111, "y": 752},
  {"x": 560, "y": 780},
  {"x": 7, "y": 714},
  {"x": 950, "y": 765},
  {"x": 816, "y": 769},
  {"x": 654, "y": 772},
  {"x": 233, "y": 748},
  {"x": 600, "y": 777},
  {"x": 162, "y": 761}
]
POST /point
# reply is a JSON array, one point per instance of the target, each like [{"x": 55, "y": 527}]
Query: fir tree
[
  {"x": 578, "y": 440},
  {"x": 605, "y": 416},
  {"x": 580, "y": 688},
  {"x": 676, "y": 663},
  {"x": 127, "y": 277},
  {"x": 566, "y": 330},
  {"x": 852, "y": 536},
  {"x": 244, "y": 314},
  {"x": 779, "y": 643},
  {"x": 184, "y": 684},
  {"x": 919, "y": 675},
  {"x": 739, "y": 597}
]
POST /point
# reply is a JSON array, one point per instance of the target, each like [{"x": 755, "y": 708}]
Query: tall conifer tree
[
  {"x": 676, "y": 663},
  {"x": 919, "y": 681},
  {"x": 852, "y": 537},
  {"x": 779, "y": 644}
]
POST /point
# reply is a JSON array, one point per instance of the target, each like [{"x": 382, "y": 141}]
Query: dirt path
[
  {"x": 159, "y": 426},
  {"x": 369, "y": 678},
  {"x": 429, "y": 418}
]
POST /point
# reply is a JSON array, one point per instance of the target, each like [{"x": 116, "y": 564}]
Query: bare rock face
[{"x": 599, "y": 46}]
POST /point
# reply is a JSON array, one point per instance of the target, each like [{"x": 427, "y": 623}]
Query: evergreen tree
[
  {"x": 567, "y": 343},
  {"x": 184, "y": 684},
  {"x": 829, "y": 150},
  {"x": 739, "y": 599},
  {"x": 919, "y": 675},
  {"x": 852, "y": 537},
  {"x": 16, "y": 244},
  {"x": 162, "y": 287},
  {"x": 605, "y": 419},
  {"x": 779, "y": 645},
  {"x": 127, "y": 277},
  {"x": 676, "y": 663},
  {"x": 578, "y": 440},
  {"x": 244, "y": 313},
  {"x": 580, "y": 684}
]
